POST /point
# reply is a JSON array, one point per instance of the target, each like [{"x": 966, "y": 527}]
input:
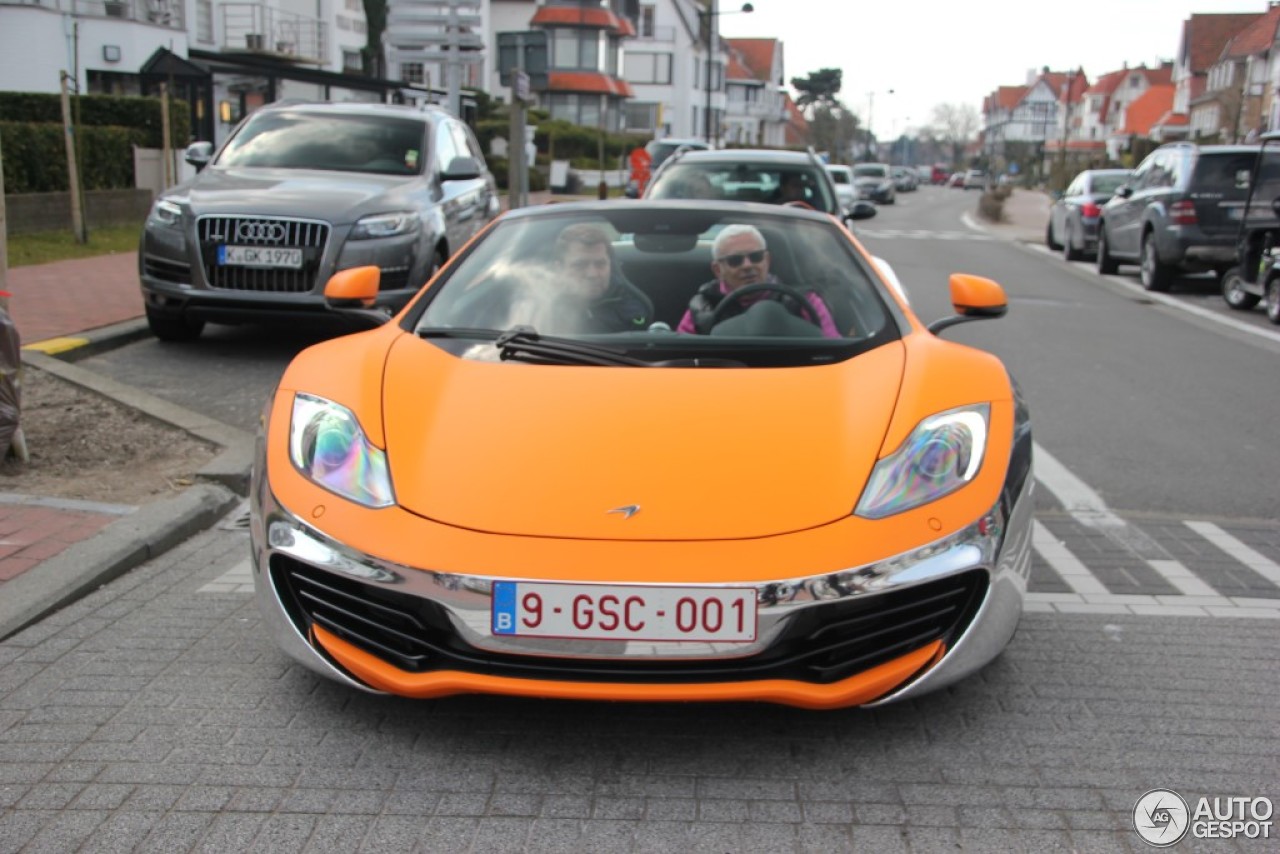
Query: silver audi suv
[{"x": 300, "y": 191}]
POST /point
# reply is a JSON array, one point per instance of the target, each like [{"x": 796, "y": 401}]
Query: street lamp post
[
  {"x": 708, "y": 18},
  {"x": 871, "y": 103}
]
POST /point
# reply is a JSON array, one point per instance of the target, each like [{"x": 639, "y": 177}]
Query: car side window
[
  {"x": 1076, "y": 188},
  {"x": 446, "y": 148},
  {"x": 1142, "y": 175}
]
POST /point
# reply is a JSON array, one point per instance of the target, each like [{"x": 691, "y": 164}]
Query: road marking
[
  {"x": 238, "y": 579},
  {"x": 1259, "y": 563},
  {"x": 920, "y": 234},
  {"x": 1062, "y": 561},
  {"x": 1076, "y": 496},
  {"x": 1182, "y": 578}
]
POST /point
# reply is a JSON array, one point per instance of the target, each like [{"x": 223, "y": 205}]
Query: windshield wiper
[{"x": 524, "y": 343}]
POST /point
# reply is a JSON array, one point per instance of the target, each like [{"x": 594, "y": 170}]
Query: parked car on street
[
  {"x": 1073, "y": 218},
  {"x": 753, "y": 175},
  {"x": 875, "y": 182},
  {"x": 904, "y": 179},
  {"x": 524, "y": 494},
  {"x": 975, "y": 179},
  {"x": 956, "y": 180},
  {"x": 1179, "y": 212},
  {"x": 939, "y": 174},
  {"x": 842, "y": 177},
  {"x": 300, "y": 191}
]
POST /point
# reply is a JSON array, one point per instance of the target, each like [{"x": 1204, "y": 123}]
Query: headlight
[
  {"x": 941, "y": 455},
  {"x": 165, "y": 213},
  {"x": 385, "y": 225},
  {"x": 328, "y": 446}
]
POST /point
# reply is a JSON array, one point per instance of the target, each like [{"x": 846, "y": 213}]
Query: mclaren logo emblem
[{"x": 628, "y": 511}]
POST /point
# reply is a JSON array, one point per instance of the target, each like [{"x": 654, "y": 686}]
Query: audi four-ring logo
[{"x": 262, "y": 232}]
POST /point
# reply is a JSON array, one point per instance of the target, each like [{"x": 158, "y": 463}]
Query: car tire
[
  {"x": 1107, "y": 266},
  {"x": 1234, "y": 293},
  {"x": 1049, "y": 237},
  {"x": 169, "y": 326},
  {"x": 1273, "y": 301},
  {"x": 1154, "y": 274},
  {"x": 1069, "y": 251}
]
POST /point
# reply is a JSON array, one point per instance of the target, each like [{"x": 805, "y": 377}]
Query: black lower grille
[
  {"x": 167, "y": 271},
  {"x": 819, "y": 645}
]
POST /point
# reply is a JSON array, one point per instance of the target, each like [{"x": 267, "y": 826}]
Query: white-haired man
[{"x": 741, "y": 258}]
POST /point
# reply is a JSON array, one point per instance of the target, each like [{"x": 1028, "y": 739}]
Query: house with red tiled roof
[
  {"x": 1143, "y": 113},
  {"x": 755, "y": 113},
  {"x": 584, "y": 81},
  {"x": 1032, "y": 115},
  {"x": 1234, "y": 103},
  {"x": 1204, "y": 37}
]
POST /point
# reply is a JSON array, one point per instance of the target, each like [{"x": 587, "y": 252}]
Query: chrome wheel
[{"x": 1234, "y": 293}]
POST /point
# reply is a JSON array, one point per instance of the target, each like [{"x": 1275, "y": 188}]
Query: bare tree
[{"x": 955, "y": 125}]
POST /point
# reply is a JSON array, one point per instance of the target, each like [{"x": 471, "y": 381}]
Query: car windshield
[
  {"x": 297, "y": 139},
  {"x": 744, "y": 182},
  {"x": 870, "y": 170},
  {"x": 840, "y": 176},
  {"x": 637, "y": 283},
  {"x": 1106, "y": 185}
]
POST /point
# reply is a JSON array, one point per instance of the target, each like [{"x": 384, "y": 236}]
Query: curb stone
[
  {"x": 124, "y": 544},
  {"x": 154, "y": 528}
]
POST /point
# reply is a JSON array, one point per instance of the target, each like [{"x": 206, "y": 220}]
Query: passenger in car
[
  {"x": 594, "y": 290},
  {"x": 741, "y": 258}
]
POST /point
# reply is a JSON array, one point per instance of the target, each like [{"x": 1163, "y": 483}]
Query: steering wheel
[
  {"x": 736, "y": 296},
  {"x": 796, "y": 203}
]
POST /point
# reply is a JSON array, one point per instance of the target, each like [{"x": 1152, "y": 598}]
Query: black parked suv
[{"x": 1179, "y": 211}]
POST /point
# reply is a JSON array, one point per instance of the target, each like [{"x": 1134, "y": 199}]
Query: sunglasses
[{"x": 737, "y": 258}]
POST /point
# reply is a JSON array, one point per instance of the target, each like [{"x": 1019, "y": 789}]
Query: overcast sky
[{"x": 942, "y": 51}]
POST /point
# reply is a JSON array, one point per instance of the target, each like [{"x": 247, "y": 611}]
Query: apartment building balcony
[
  {"x": 257, "y": 28},
  {"x": 757, "y": 110}
]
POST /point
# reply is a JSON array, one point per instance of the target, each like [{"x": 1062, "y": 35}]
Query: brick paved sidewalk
[{"x": 34, "y": 529}]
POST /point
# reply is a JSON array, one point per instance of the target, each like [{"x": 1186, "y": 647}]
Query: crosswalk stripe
[
  {"x": 1062, "y": 561},
  {"x": 1259, "y": 563},
  {"x": 1183, "y": 579}
]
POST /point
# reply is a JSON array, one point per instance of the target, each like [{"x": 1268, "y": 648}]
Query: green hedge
[
  {"x": 35, "y": 159},
  {"x": 96, "y": 110}
]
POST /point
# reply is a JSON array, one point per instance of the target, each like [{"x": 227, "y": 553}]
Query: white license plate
[
  {"x": 259, "y": 256},
  {"x": 623, "y": 612}
]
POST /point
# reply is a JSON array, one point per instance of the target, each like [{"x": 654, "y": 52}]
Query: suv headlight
[
  {"x": 165, "y": 213},
  {"x": 328, "y": 446},
  {"x": 385, "y": 225},
  {"x": 941, "y": 455}
]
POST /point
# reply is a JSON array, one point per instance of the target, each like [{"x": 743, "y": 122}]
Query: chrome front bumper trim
[{"x": 1001, "y": 547}]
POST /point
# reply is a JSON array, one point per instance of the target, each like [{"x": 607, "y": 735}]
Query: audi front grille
[{"x": 272, "y": 232}]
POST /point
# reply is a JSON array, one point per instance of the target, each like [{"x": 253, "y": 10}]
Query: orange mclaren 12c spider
[{"x": 650, "y": 451}]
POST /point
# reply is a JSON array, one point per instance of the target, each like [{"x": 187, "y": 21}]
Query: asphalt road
[{"x": 156, "y": 714}]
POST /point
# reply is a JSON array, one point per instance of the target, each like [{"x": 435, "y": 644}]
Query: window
[
  {"x": 446, "y": 146},
  {"x": 647, "y": 14},
  {"x": 648, "y": 68},
  {"x": 204, "y": 21},
  {"x": 641, "y": 117},
  {"x": 578, "y": 48},
  {"x": 351, "y": 60},
  {"x": 412, "y": 72}
]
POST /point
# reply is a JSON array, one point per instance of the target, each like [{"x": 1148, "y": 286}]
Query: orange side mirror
[
  {"x": 357, "y": 286},
  {"x": 975, "y": 296}
]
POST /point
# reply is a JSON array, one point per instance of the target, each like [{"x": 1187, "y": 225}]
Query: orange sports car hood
[{"x": 707, "y": 453}]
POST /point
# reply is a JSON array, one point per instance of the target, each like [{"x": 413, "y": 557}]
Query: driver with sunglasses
[{"x": 742, "y": 259}]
